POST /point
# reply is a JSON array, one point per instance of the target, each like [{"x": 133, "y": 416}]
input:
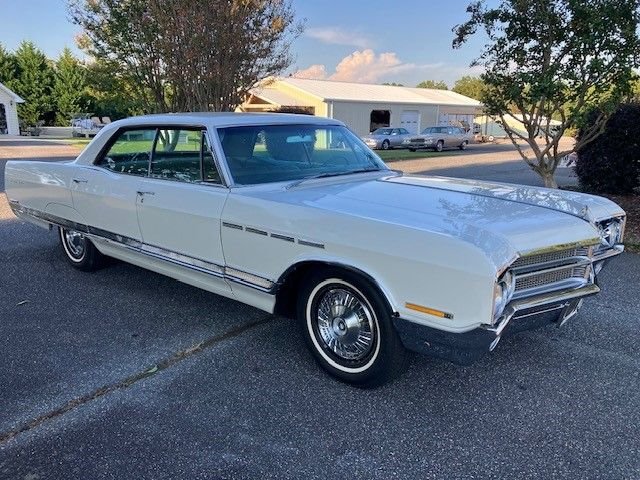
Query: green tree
[
  {"x": 109, "y": 93},
  {"x": 434, "y": 84},
  {"x": 549, "y": 59},
  {"x": 34, "y": 78},
  {"x": 186, "y": 55},
  {"x": 7, "y": 67},
  {"x": 469, "y": 86},
  {"x": 68, "y": 88}
]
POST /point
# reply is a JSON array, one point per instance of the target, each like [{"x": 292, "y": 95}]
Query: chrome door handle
[
  {"x": 145, "y": 193},
  {"x": 79, "y": 180}
]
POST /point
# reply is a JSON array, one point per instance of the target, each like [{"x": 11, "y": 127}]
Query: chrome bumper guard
[{"x": 568, "y": 299}]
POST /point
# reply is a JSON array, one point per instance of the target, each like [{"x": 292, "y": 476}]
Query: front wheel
[
  {"x": 79, "y": 250},
  {"x": 347, "y": 327},
  {"x": 439, "y": 146},
  {"x": 386, "y": 145},
  {"x": 463, "y": 145}
]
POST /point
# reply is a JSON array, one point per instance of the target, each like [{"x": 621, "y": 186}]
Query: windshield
[
  {"x": 277, "y": 153},
  {"x": 382, "y": 131}
]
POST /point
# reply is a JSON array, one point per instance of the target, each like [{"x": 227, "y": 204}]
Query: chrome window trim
[
  {"x": 206, "y": 132},
  {"x": 219, "y": 158}
]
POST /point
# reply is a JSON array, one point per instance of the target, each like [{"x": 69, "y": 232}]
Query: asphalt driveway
[{"x": 123, "y": 373}]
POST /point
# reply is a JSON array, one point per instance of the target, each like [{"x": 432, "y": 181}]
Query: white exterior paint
[
  {"x": 10, "y": 101},
  {"x": 410, "y": 119},
  {"x": 430, "y": 241},
  {"x": 352, "y": 103}
]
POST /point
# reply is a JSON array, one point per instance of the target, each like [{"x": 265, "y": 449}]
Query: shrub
[{"x": 611, "y": 163}]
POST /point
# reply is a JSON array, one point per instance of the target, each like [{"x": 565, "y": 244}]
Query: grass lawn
[
  {"x": 395, "y": 155},
  {"x": 79, "y": 142}
]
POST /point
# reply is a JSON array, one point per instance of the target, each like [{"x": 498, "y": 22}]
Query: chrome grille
[
  {"x": 534, "y": 280},
  {"x": 551, "y": 256}
]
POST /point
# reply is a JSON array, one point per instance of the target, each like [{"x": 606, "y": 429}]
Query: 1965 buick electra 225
[{"x": 295, "y": 215}]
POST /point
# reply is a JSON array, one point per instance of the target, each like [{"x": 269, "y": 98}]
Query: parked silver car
[
  {"x": 438, "y": 138},
  {"x": 386, "y": 138}
]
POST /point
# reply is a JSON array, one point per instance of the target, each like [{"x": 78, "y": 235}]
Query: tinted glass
[
  {"x": 130, "y": 152},
  {"x": 276, "y": 153},
  {"x": 382, "y": 131},
  {"x": 404, "y": 131},
  {"x": 177, "y": 155}
]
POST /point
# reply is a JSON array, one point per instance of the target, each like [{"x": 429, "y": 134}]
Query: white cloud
[
  {"x": 314, "y": 72},
  {"x": 337, "y": 36},
  {"x": 364, "y": 66}
]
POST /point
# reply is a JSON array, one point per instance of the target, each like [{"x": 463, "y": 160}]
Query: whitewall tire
[
  {"x": 347, "y": 326},
  {"x": 78, "y": 250}
]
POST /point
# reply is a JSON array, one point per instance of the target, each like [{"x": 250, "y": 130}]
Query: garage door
[{"x": 410, "y": 119}]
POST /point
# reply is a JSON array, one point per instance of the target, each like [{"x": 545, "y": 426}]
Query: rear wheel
[
  {"x": 412, "y": 149},
  {"x": 439, "y": 146},
  {"x": 347, "y": 327},
  {"x": 79, "y": 250}
]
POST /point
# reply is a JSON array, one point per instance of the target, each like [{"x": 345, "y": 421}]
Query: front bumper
[{"x": 526, "y": 314}]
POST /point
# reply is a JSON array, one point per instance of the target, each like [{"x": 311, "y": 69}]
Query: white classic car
[{"x": 295, "y": 215}]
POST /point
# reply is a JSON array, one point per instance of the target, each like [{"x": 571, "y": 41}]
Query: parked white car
[
  {"x": 295, "y": 215},
  {"x": 386, "y": 138}
]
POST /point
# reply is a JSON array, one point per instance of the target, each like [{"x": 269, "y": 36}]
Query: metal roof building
[{"x": 365, "y": 107}]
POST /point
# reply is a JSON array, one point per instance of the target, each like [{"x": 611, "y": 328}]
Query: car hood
[{"x": 503, "y": 220}]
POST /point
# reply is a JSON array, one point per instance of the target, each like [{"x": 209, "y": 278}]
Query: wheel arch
[{"x": 289, "y": 282}]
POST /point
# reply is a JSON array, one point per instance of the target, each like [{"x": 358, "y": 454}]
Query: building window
[{"x": 379, "y": 118}]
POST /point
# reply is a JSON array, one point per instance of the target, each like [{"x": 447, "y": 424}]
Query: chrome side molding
[{"x": 221, "y": 271}]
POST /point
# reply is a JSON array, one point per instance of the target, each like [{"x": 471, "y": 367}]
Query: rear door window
[
  {"x": 130, "y": 152},
  {"x": 176, "y": 155}
]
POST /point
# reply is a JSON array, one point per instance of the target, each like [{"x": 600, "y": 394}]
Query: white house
[
  {"x": 9, "y": 111},
  {"x": 365, "y": 107}
]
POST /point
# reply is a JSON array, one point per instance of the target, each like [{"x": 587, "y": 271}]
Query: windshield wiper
[{"x": 295, "y": 183}]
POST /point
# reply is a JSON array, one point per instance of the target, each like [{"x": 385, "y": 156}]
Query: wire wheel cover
[{"x": 345, "y": 324}]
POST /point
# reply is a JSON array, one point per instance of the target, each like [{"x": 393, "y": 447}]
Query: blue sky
[{"x": 374, "y": 41}]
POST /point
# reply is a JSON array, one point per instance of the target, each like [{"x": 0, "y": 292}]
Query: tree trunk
[{"x": 548, "y": 178}]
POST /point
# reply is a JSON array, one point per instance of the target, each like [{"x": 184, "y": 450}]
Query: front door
[{"x": 180, "y": 203}]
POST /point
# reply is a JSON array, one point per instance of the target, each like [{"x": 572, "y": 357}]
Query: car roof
[{"x": 223, "y": 119}]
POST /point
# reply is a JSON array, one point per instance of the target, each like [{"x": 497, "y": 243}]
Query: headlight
[
  {"x": 610, "y": 232},
  {"x": 428, "y": 140},
  {"x": 406, "y": 140},
  {"x": 502, "y": 293}
]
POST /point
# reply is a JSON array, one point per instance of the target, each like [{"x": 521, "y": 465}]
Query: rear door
[
  {"x": 105, "y": 193},
  {"x": 180, "y": 203}
]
